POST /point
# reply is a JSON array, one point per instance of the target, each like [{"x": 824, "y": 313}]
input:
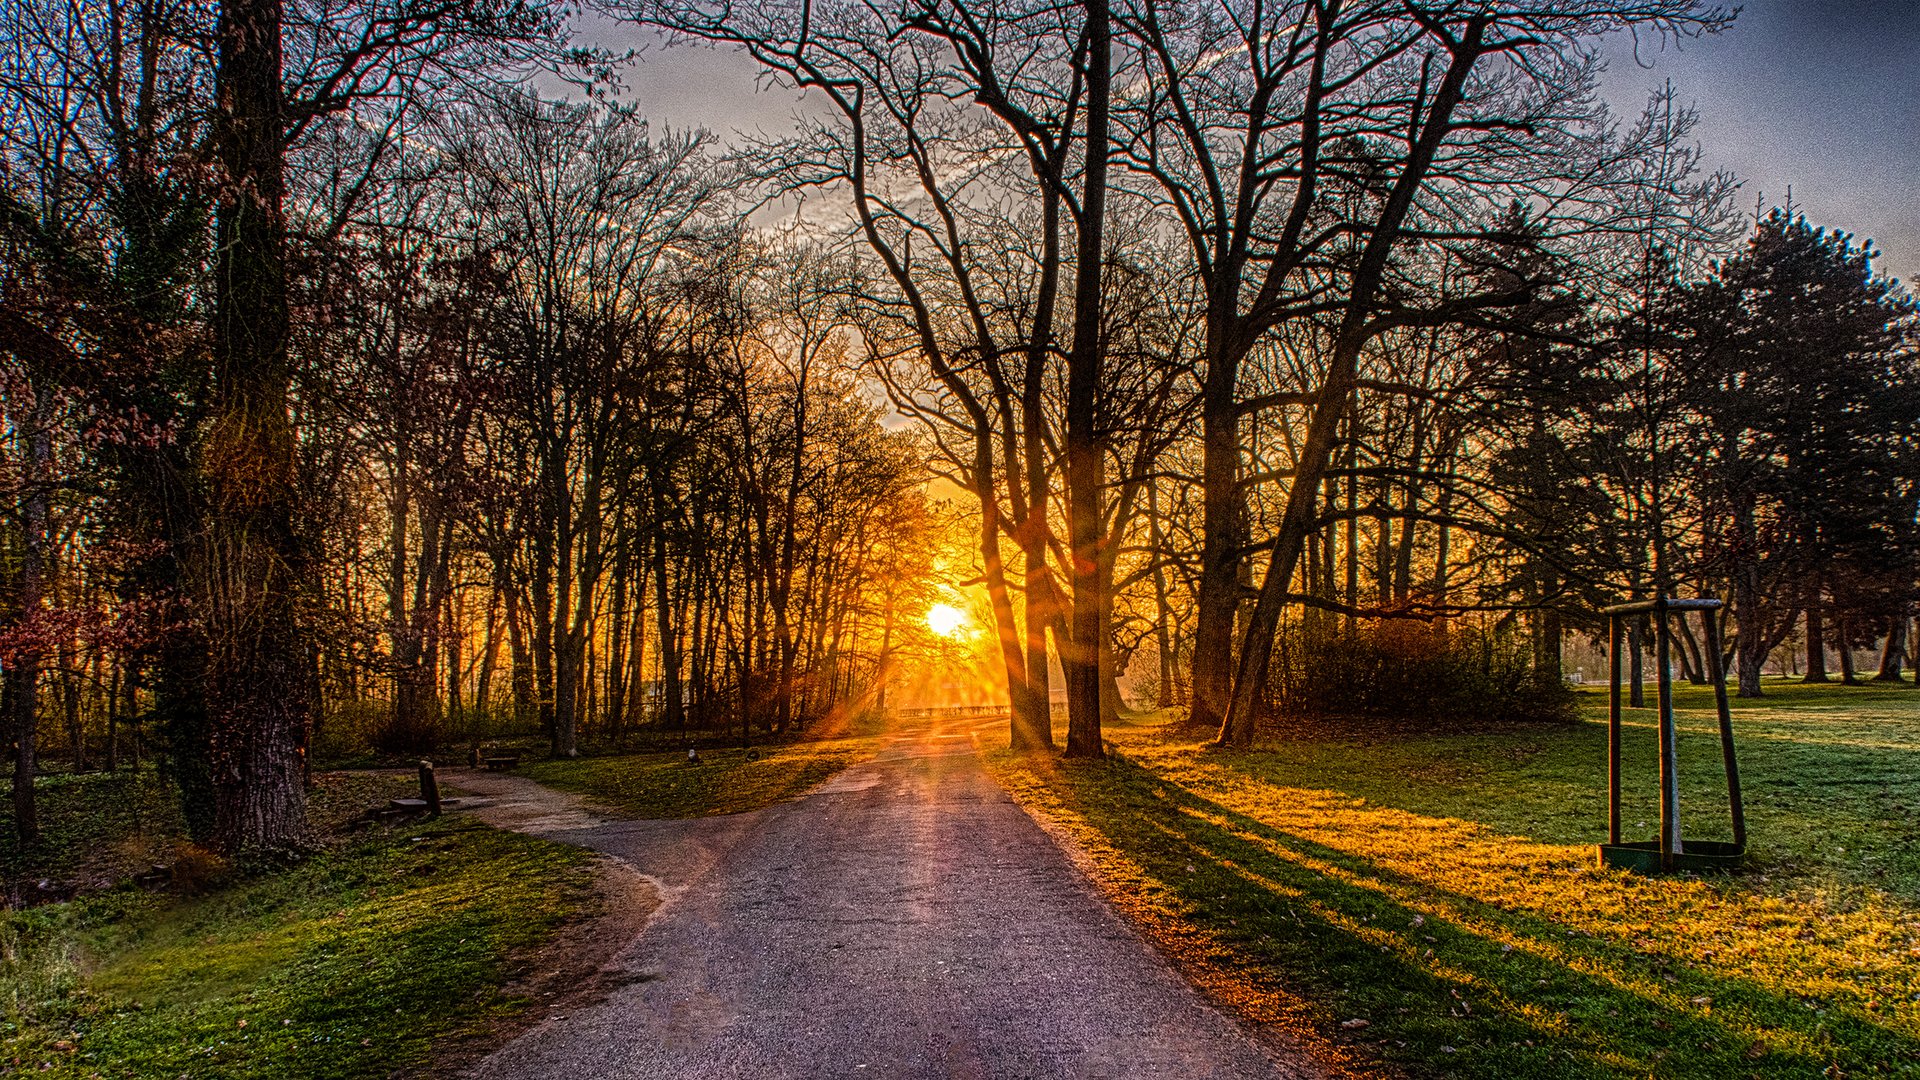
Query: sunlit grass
[
  {"x": 1443, "y": 888},
  {"x": 729, "y": 781}
]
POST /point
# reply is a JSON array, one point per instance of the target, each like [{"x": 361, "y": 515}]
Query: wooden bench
[{"x": 498, "y": 762}]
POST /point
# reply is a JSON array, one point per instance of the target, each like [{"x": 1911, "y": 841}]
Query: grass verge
[
  {"x": 664, "y": 785},
  {"x": 348, "y": 965},
  {"x": 1433, "y": 901},
  {"x": 100, "y": 828}
]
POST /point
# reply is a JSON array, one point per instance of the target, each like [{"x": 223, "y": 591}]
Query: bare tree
[{"x": 1303, "y": 147}]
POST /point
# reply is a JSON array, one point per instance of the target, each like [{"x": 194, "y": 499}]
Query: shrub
[{"x": 1433, "y": 674}]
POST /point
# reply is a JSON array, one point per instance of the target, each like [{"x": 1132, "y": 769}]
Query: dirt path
[{"x": 904, "y": 919}]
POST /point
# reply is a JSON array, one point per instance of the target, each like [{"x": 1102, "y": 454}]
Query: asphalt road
[{"x": 905, "y": 919}]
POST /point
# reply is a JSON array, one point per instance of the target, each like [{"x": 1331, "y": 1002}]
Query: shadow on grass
[
  {"x": 1832, "y": 780},
  {"x": 1448, "y": 980}
]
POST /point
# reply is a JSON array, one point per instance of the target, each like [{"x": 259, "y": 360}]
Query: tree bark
[
  {"x": 673, "y": 707},
  {"x": 1036, "y": 693},
  {"x": 70, "y": 708},
  {"x": 1893, "y": 653},
  {"x": 1844, "y": 649},
  {"x": 1548, "y": 635},
  {"x": 1816, "y": 638},
  {"x": 22, "y": 682},
  {"x": 23, "y": 672},
  {"x": 253, "y": 565},
  {"x": 489, "y": 657},
  {"x": 113, "y": 716},
  {"x": 1085, "y": 449},
  {"x": 1693, "y": 662},
  {"x": 1222, "y": 535},
  {"x": 1163, "y": 615},
  {"x": 1636, "y": 663},
  {"x": 1750, "y": 655}
]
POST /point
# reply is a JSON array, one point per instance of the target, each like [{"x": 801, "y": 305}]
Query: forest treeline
[{"x": 376, "y": 371}]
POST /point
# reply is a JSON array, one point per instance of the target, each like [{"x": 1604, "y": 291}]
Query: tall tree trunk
[
  {"x": 409, "y": 697},
  {"x": 1816, "y": 637},
  {"x": 883, "y": 661},
  {"x": 23, "y": 672},
  {"x": 1032, "y": 699},
  {"x": 1403, "y": 557},
  {"x": 1085, "y": 443},
  {"x": 114, "y": 679},
  {"x": 704, "y": 673},
  {"x": 673, "y": 707},
  {"x": 1035, "y": 700},
  {"x": 1026, "y": 724},
  {"x": 489, "y": 657},
  {"x": 1111, "y": 701},
  {"x": 618, "y": 638},
  {"x": 1222, "y": 530},
  {"x": 70, "y": 708},
  {"x": 540, "y": 619},
  {"x": 1548, "y": 635},
  {"x": 1353, "y": 531},
  {"x": 23, "y": 705},
  {"x": 521, "y": 657},
  {"x": 1383, "y": 542},
  {"x": 636, "y": 651},
  {"x": 1636, "y": 663},
  {"x": 1443, "y": 556},
  {"x": 1693, "y": 663},
  {"x": 784, "y": 650},
  {"x": 1750, "y": 654},
  {"x": 1162, "y": 613},
  {"x": 453, "y": 635},
  {"x": 1893, "y": 653},
  {"x": 569, "y": 656},
  {"x": 1843, "y": 627},
  {"x": 253, "y": 566},
  {"x": 586, "y": 709}
]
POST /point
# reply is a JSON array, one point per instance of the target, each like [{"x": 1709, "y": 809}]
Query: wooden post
[
  {"x": 1719, "y": 677},
  {"x": 429, "y": 788},
  {"x": 1670, "y": 844},
  {"x": 1616, "y": 633}
]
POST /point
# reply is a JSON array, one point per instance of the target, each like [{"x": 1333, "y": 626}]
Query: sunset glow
[{"x": 948, "y": 621}]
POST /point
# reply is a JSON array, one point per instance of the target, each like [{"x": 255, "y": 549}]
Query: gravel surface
[{"x": 904, "y": 919}]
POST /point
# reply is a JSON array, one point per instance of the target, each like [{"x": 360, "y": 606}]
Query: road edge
[{"x": 1279, "y": 1021}]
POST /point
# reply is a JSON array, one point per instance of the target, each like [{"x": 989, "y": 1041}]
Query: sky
[{"x": 1820, "y": 96}]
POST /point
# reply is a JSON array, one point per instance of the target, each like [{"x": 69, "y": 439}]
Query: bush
[
  {"x": 355, "y": 729},
  {"x": 1435, "y": 674}
]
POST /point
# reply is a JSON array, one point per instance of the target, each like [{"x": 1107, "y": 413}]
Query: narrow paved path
[{"x": 905, "y": 919}]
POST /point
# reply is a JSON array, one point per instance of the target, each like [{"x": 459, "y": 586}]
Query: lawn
[
  {"x": 1433, "y": 901},
  {"x": 349, "y": 964},
  {"x": 99, "y": 828},
  {"x": 731, "y": 781}
]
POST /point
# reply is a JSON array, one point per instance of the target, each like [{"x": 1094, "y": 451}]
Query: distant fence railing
[{"x": 950, "y": 712}]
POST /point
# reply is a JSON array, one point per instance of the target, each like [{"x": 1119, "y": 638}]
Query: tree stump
[{"x": 429, "y": 788}]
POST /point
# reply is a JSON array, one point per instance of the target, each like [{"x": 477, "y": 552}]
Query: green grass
[
  {"x": 100, "y": 828},
  {"x": 96, "y": 828},
  {"x": 725, "y": 782},
  {"x": 347, "y": 965},
  {"x": 1443, "y": 888}
]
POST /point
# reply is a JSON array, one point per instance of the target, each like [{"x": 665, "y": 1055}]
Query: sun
[{"x": 948, "y": 621}]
